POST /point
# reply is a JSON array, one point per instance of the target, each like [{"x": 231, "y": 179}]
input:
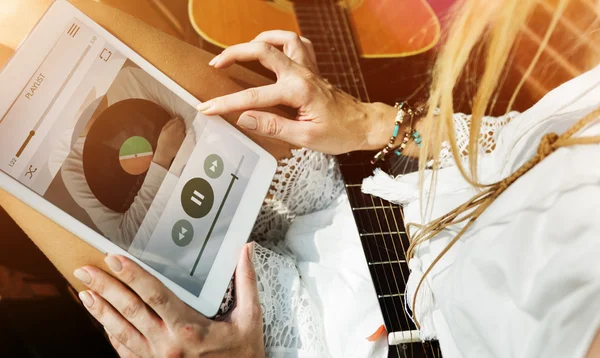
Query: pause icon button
[{"x": 197, "y": 198}]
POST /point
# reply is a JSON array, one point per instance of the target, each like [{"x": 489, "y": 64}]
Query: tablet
[{"x": 101, "y": 142}]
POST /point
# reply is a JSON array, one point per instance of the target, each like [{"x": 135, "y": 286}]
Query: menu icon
[{"x": 73, "y": 30}]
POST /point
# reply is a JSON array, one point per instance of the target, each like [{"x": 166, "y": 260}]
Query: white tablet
[{"x": 101, "y": 142}]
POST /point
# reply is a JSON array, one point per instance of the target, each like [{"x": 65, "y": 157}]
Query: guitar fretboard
[
  {"x": 384, "y": 241},
  {"x": 380, "y": 223}
]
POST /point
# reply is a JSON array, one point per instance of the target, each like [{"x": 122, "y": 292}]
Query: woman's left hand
[{"x": 145, "y": 319}]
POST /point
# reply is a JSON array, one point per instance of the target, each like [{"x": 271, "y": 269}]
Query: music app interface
[{"x": 104, "y": 141}]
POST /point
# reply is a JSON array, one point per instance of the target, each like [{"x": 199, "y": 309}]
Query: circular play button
[
  {"x": 213, "y": 166},
  {"x": 197, "y": 198},
  {"x": 182, "y": 233}
]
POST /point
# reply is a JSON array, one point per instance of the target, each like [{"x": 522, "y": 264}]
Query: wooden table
[{"x": 18, "y": 17}]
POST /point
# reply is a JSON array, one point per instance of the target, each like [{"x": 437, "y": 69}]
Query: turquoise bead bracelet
[{"x": 403, "y": 111}]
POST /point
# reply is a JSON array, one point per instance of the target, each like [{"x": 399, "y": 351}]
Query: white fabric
[
  {"x": 524, "y": 280},
  {"x": 121, "y": 228},
  {"x": 314, "y": 285}
]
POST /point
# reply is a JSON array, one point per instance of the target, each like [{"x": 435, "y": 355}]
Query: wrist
[
  {"x": 161, "y": 160},
  {"x": 379, "y": 124}
]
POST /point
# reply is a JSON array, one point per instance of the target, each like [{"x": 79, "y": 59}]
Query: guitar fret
[
  {"x": 385, "y": 220},
  {"x": 387, "y": 262},
  {"x": 391, "y": 295},
  {"x": 353, "y": 185},
  {"x": 395, "y": 277},
  {"x": 368, "y": 207},
  {"x": 392, "y": 323},
  {"x": 367, "y": 234},
  {"x": 382, "y": 248}
]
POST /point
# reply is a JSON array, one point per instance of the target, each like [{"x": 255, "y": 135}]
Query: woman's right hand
[{"x": 328, "y": 120}]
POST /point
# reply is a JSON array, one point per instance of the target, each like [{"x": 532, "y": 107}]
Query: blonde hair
[{"x": 489, "y": 30}]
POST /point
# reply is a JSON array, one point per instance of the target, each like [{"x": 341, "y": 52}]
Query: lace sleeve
[
  {"x": 307, "y": 182},
  {"x": 490, "y": 129}
]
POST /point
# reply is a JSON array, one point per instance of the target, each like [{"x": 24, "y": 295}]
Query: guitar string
[
  {"x": 349, "y": 87},
  {"x": 331, "y": 56},
  {"x": 337, "y": 49},
  {"x": 404, "y": 251},
  {"x": 335, "y": 72},
  {"x": 381, "y": 202},
  {"x": 369, "y": 217},
  {"x": 320, "y": 19},
  {"x": 337, "y": 9},
  {"x": 331, "y": 7},
  {"x": 391, "y": 265},
  {"x": 344, "y": 38},
  {"x": 355, "y": 54},
  {"x": 349, "y": 32},
  {"x": 404, "y": 222},
  {"x": 354, "y": 50}
]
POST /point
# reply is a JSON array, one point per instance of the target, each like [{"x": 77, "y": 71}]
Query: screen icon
[
  {"x": 73, "y": 30},
  {"x": 213, "y": 166},
  {"x": 182, "y": 233},
  {"x": 197, "y": 198},
  {"x": 31, "y": 171},
  {"x": 105, "y": 54}
]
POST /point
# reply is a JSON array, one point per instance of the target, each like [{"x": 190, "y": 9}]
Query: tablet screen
[{"x": 107, "y": 143}]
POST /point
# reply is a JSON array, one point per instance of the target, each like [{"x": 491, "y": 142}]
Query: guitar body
[
  {"x": 382, "y": 28},
  {"x": 391, "y": 37}
]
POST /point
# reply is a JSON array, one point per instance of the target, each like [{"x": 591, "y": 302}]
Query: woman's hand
[
  {"x": 328, "y": 119},
  {"x": 169, "y": 141},
  {"x": 145, "y": 319}
]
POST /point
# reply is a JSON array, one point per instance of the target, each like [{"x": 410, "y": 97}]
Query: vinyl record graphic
[
  {"x": 118, "y": 150},
  {"x": 135, "y": 155}
]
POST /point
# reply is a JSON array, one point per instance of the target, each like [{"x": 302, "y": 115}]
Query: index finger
[
  {"x": 251, "y": 98},
  {"x": 268, "y": 56}
]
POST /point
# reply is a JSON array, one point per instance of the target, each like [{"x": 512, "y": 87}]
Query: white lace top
[
  {"x": 304, "y": 185},
  {"x": 308, "y": 185},
  {"x": 309, "y": 289}
]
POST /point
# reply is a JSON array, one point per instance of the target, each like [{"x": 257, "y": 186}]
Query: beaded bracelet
[
  {"x": 403, "y": 111},
  {"x": 398, "y": 121}
]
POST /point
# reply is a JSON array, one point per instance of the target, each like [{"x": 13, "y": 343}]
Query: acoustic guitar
[{"x": 342, "y": 33}]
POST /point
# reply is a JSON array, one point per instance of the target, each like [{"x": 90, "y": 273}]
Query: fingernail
[
  {"x": 251, "y": 251},
  {"x": 214, "y": 60},
  {"x": 113, "y": 263},
  {"x": 83, "y": 276},
  {"x": 202, "y": 107},
  {"x": 86, "y": 298},
  {"x": 247, "y": 122}
]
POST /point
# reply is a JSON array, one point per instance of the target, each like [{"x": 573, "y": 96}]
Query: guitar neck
[{"x": 380, "y": 223}]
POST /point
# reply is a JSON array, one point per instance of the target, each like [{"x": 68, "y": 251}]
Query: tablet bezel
[{"x": 51, "y": 26}]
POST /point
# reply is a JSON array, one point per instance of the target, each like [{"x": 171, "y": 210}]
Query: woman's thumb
[{"x": 245, "y": 281}]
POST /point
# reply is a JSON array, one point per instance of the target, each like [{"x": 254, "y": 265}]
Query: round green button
[
  {"x": 213, "y": 166},
  {"x": 182, "y": 233}
]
